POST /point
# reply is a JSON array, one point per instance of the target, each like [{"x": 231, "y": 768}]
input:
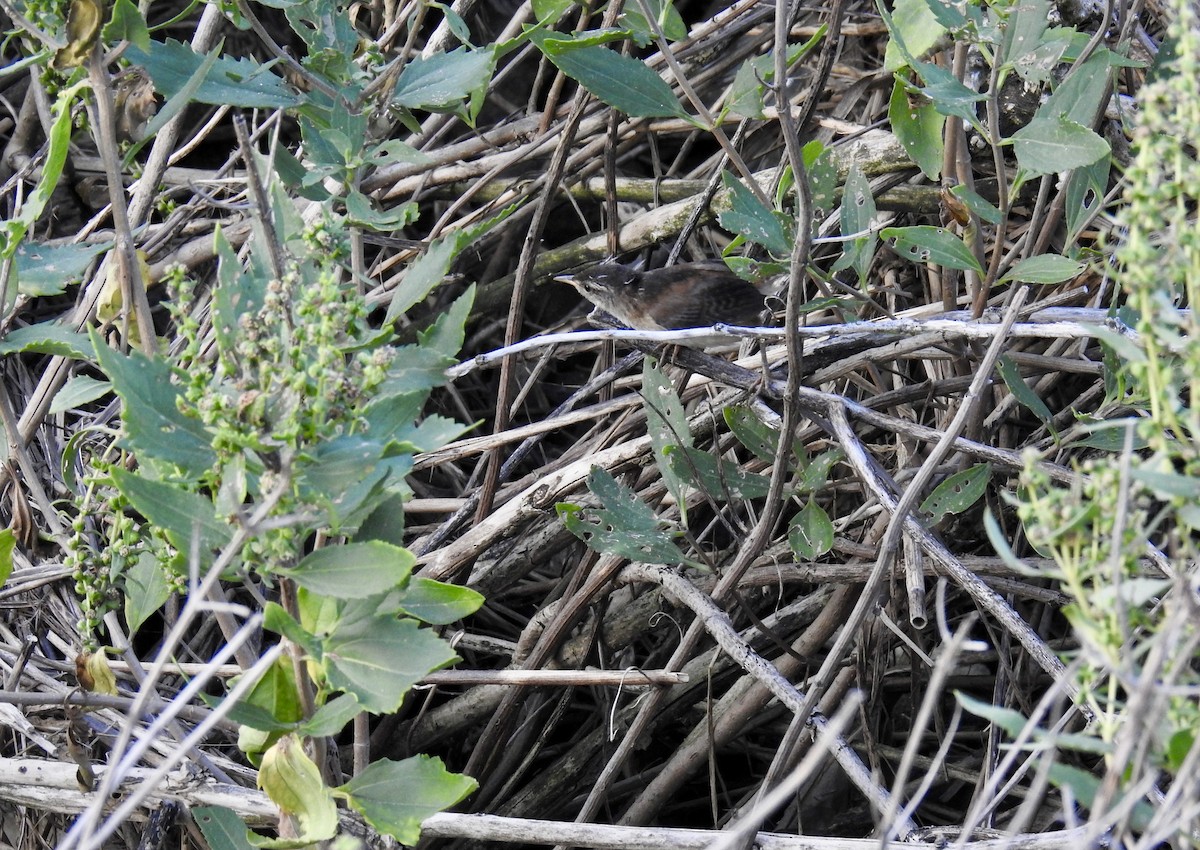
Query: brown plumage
[{"x": 689, "y": 295}]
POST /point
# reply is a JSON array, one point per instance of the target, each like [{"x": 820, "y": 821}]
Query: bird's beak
[{"x": 565, "y": 278}]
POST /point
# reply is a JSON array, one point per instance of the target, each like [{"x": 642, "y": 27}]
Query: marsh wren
[{"x": 689, "y": 295}]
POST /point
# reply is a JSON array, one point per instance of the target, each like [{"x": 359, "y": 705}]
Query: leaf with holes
[
  {"x": 756, "y": 435},
  {"x": 957, "y": 493},
  {"x": 747, "y": 215},
  {"x": 918, "y": 128},
  {"x": 810, "y": 533},
  {"x": 816, "y": 471},
  {"x": 719, "y": 478},
  {"x": 858, "y": 211},
  {"x": 926, "y": 244},
  {"x": 667, "y": 426},
  {"x": 625, "y": 526}
]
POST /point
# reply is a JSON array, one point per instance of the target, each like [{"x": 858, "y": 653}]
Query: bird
[{"x": 688, "y": 295}]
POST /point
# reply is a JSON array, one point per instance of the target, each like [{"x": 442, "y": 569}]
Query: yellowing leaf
[
  {"x": 293, "y": 781},
  {"x": 83, "y": 28},
  {"x": 94, "y": 674},
  {"x": 109, "y": 305}
]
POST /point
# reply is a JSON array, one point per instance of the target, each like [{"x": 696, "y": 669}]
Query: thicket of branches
[{"x": 916, "y": 563}]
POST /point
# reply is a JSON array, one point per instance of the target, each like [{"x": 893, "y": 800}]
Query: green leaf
[
  {"x": 441, "y": 82},
  {"x": 437, "y": 602},
  {"x": 620, "y": 81},
  {"x": 747, "y": 215},
  {"x": 667, "y": 427},
  {"x": 48, "y": 338},
  {"x": 390, "y": 419},
  {"x": 1011, "y": 373},
  {"x": 585, "y": 38},
  {"x": 50, "y": 269},
  {"x": 378, "y": 658},
  {"x": 392, "y": 151},
  {"x": 1024, "y": 27},
  {"x": 77, "y": 392},
  {"x": 1131, "y": 592},
  {"x": 278, "y": 620},
  {"x": 1082, "y": 94},
  {"x": 293, "y": 782},
  {"x": 757, "y": 272},
  {"x": 822, "y": 177},
  {"x": 1168, "y": 484},
  {"x": 756, "y": 73},
  {"x": 1037, "y": 66},
  {"x": 918, "y": 128},
  {"x": 8, "y": 542},
  {"x": 926, "y": 244},
  {"x": 273, "y": 703},
  {"x": 448, "y": 332},
  {"x": 353, "y": 570},
  {"x": 958, "y": 492},
  {"x": 977, "y": 204},
  {"x": 178, "y": 512},
  {"x": 953, "y": 17},
  {"x": 949, "y": 95},
  {"x": 858, "y": 211},
  {"x": 331, "y": 718},
  {"x": 625, "y": 526},
  {"x": 1110, "y": 435},
  {"x": 1047, "y": 145},
  {"x": 549, "y": 11},
  {"x": 453, "y": 20},
  {"x": 222, "y": 828},
  {"x": 1085, "y": 195},
  {"x": 396, "y": 796},
  {"x": 1013, "y": 722},
  {"x": 145, "y": 588},
  {"x": 174, "y": 105},
  {"x": 1178, "y": 746},
  {"x": 345, "y": 473},
  {"x": 1000, "y": 543},
  {"x": 663, "y": 12},
  {"x": 757, "y": 436},
  {"x": 720, "y": 478},
  {"x": 422, "y": 276},
  {"x": 385, "y": 521},
  {"x": 238, "y": 293},
  {"x": 746, "y": 93},
  {"x": 14, "y": 230},
  {"x": 239, "y": 83},
  {"x": 1085, "y": 787},
  {"x": 431, "y": 267},
  {"x": 431, "y": 433},
  {"x": 810, "y": 532},
  {"x": 816, "y": 471},
  {"x": 330, "y": 37},
  {"x": 127, "y": 24},
  {"x": 362, "y": 212},
  {"x": 415, "y": 368},
  {"x": 259, "y": 720},
  {"x": 1008, "y": 719},
  {"x": 332, "y": 141},
  {"x": 152, "y": 420},
  {"x": 913, "y": 26}
]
